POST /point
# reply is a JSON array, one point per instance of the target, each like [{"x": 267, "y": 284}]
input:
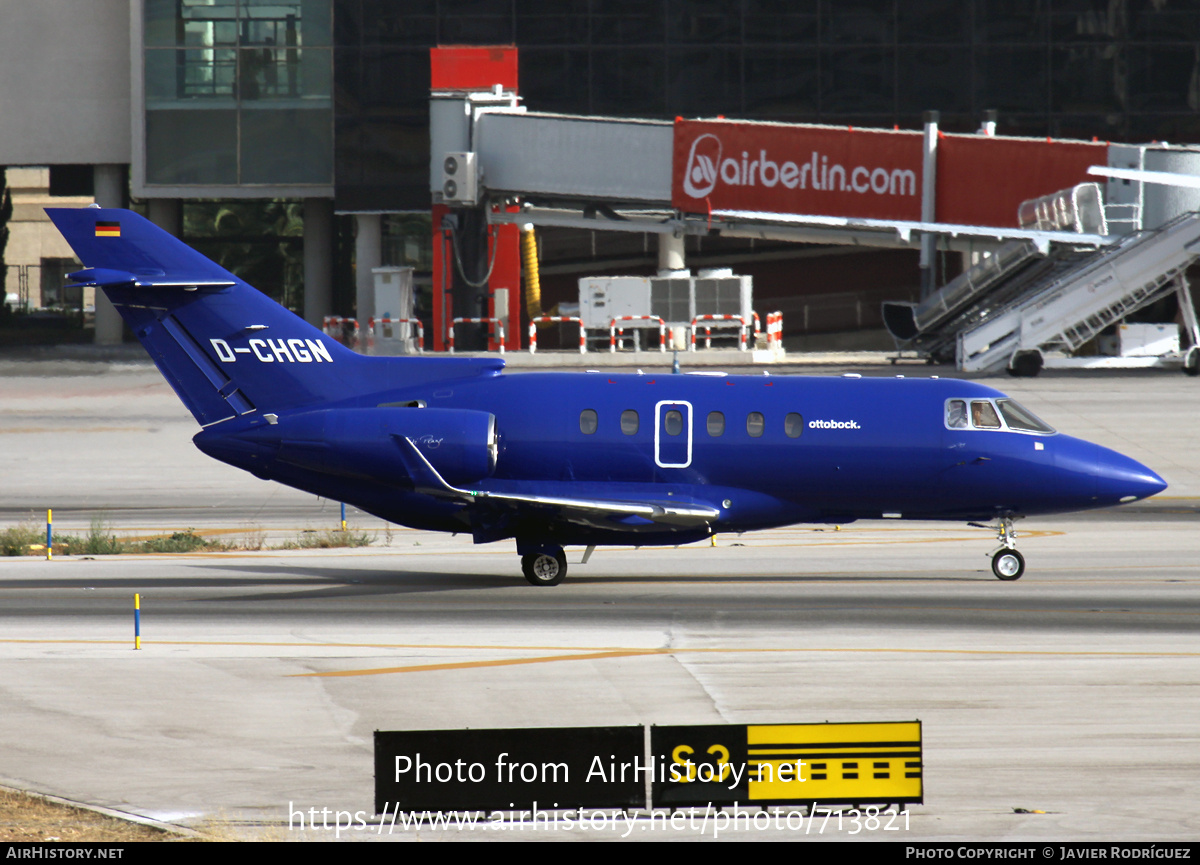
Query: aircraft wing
[{"x": 599, "y": 513}]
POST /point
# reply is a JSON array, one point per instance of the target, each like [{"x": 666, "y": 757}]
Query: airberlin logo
[
  {"x": 833, "y": 424},
  {"x": 706, "y": 166},
  {"x": 703, "y": 162},
  {"x": 273, "y": 350}
]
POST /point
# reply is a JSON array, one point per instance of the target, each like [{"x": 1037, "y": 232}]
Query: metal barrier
[
  {"x": 774, "y": 330},
  {"x": 612, "y": 330},
  {"x": 533, "y": 323},
  {"x": 718, "y": 321},
  {"x": 374, "y": 323},
  {"x": 344, "y": 330},
  {"x": 493, "y": 320}
]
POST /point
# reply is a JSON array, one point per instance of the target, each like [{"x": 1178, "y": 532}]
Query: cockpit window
[
  {"x": 1022, "y": 419},
  {"x": 956, "y": 414},
  {"x": 964, "y": 414},
  {"x": 983, "y": 415}
]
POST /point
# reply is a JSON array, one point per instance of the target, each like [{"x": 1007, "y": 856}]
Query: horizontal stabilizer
[{"x": 101, "y": 277}]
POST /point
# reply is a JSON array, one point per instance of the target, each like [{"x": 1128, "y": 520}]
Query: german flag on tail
[{"x": 108, "y": 229}]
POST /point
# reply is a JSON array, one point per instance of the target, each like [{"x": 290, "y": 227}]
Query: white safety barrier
[
  {"x": 344, "y": 330},
  {"x": 774, "y": 330},
  {"x": 375, "y": 326},
  {"x": 533, "y": 323},
  {"x": 612, "y": 330},
  {"x": 496, "y": 321},
  {"x": 718, "y": 321}
]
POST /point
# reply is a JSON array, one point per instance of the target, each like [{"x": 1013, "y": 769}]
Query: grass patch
[
  {"x": 28, "y": 538},
  {"x": 31, "y": 818},
  {"x": 314, "y": 540},
  {"x": 180, "y": 542},
  {"x": 254, "y": 539},
  {"x": 99, "y": 541},
  {"x": 17, "y": 540}
]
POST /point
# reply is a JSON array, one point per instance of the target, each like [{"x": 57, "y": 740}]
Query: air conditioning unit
[{"x": 460, "y": 179}]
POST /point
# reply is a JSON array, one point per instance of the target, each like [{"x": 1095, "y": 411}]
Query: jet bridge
[
  {"x": 494, "y": 165},
  {"x": 621, "y": 174}
]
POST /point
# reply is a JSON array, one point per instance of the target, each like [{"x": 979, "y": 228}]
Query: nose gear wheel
[{"x": 1008, "y": 565}]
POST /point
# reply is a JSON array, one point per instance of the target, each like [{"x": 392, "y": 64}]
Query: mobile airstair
[
  {"x": 1074, "y": 301},
  {"x": 930, "y": 328}
]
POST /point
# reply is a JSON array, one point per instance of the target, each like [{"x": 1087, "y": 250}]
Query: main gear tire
[{"x": 546, "y": 568}]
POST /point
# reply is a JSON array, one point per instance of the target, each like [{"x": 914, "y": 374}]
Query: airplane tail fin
[{"x": 226, "y": 348}]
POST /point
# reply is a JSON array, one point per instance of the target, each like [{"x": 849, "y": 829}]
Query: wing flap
[{"x": 600, "y": 513}]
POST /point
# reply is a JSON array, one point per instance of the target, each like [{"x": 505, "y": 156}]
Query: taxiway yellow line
[
  {"x": 466, "y": 665},
  {"x": 586, "y": 653}
]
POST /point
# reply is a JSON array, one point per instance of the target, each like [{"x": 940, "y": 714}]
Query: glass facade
[
  {"x": 238, "y": 92},
  {"x": 1121, "y": 70}
]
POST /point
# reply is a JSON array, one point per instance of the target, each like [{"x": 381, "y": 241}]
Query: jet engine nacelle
[{"x": 366, "y": 442}]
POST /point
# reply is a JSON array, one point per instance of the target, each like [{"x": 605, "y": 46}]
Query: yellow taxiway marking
[
  {"x": 594, "y": 653},
  {"x": 466, "y": 665}
]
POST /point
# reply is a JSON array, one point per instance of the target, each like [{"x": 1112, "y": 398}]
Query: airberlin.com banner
[{"x": 726, "y": 165}]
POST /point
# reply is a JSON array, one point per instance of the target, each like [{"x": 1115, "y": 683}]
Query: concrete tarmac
[{"x": 1074, "y": 691}]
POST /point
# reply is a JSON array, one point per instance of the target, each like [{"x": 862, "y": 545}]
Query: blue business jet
[{"x": 556, "y": 459}]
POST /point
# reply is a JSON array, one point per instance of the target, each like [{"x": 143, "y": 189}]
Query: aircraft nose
[
  {"x": 1114, "y": 477},
  {"x": 1127, "y": 480}
]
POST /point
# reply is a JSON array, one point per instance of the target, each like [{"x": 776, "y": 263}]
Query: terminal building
[{"x": 326, "y": 105}]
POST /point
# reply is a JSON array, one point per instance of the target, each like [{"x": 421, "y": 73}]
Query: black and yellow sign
[
  {"x": 787, "y": 763},
  {"x": 608, "y": 767},
  {"x": 698, "y": 765}
]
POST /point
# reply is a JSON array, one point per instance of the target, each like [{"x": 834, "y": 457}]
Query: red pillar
[
  {"x": 504, "y": 247},
  {"x": 443, "y": 278},
  {"x": 470, "y": 68}
]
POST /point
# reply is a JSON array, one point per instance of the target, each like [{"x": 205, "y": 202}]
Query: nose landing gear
[{"x": 1007, "y": 563}]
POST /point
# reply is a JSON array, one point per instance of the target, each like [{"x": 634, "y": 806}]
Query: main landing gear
[
  {"x": 1007, "y": 563},
  {"x": 546, "y": 567}
]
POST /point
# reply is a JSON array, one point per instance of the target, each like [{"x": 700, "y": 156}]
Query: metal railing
[
  {"x": 717, "y": 320},
  {"x": 546, "y": 319},
  {"x": 479, "y": 320},
  {"x": 613, "y": 329},
  {"x": 376, "y": 327}
]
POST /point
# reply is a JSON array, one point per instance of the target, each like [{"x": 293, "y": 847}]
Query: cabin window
[
  {"x": 1020, "y": 418},
  {"x": 673, "y": 422},
  {"x": 983, "y": 415},
  {"x": 629, "y": 422},
  {"x": 793, "y": 425},
  {"x": 588, "y": 422},
  {"x": 716, "y": 424},
  {"x": 755, "y": 424},
  {"x": 956, "y": 414}
]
